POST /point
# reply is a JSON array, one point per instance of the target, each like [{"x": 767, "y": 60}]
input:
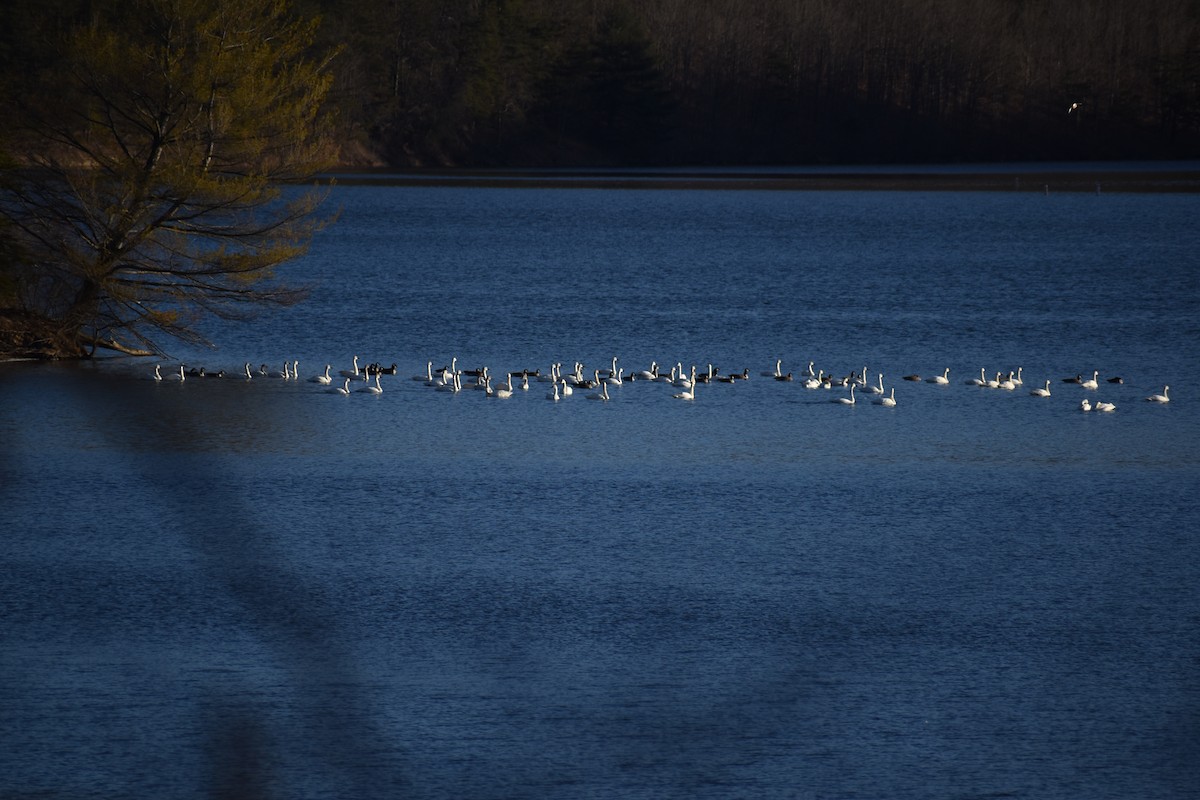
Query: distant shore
[{"x": 1090, "y": 180}]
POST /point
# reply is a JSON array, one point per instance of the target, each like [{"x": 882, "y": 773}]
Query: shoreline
[{"x": 1092, "y": 181}]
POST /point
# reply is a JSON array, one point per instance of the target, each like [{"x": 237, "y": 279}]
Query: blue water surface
[{"x": 258, "y": 588}]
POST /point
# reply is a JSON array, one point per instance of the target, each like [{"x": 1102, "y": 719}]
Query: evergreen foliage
[{"x": 149, "y": 155}]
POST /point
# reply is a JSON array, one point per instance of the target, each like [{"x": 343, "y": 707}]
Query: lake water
[{"x": 231, "y": 588}]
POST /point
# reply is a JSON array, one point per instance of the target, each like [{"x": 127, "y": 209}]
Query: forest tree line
[
  {"x": 672, "y": 82},
  {"x": 562, "y": 82}
]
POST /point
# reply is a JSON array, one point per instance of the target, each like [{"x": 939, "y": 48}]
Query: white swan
[
  {"x": 778, "y": 370},
  {"x": 1092, "y": 384},
  {"x": 980, "y": 381},
  {"x": 453, "y": 368},
  {"x": 567, "y": 391},
  {"x": 1085, "y": 405},
  {"x": 686, "y": 394},
  {"x": 689, "y": 391},
  {"x": 816, "y": 381},
  {"x": 810, "y": 372},
  {"x": 249, "y": 375},
  {"x": 847, "y": 401},
  {"x": 353, "y": 374},
  {"x": 1008, "y": 383},
  {"x": 344, "y": 390},
  {"x": 1101, "y": 406},
  {"x": 875, "y": 389},
  {"x": 376, "y": 389},
  {"x": 1018, "y": 380},
  {"x": 1160, "y": 398},
  {"x": 944, "y": 378},
  {"x": 889, "y": 401},
  {"x": 323, "y": 379},
  {"x": 501, "y": 392},
  {"x": 180, "y": 377},
  {"x": 553, "y": 394},
  {"x": 649, "y": 374},
  {"x": 157, "y": 373},
  {"x": 1042, "y": 392},
  {"x": 428, "y": 376},
  {"x": 600, "y": 395}
]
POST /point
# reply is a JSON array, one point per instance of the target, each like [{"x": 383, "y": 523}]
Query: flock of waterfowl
[
  {"x": 290, "y": 371},
  {"x": 595, "y": 385}
]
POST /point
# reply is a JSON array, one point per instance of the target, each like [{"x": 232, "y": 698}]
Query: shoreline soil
[{"x": 1090, "y": 181}]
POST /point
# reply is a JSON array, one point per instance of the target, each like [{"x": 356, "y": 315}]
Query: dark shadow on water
[
  {"x": 239, "y": 748},
  {"x": 242, "y": 743}
]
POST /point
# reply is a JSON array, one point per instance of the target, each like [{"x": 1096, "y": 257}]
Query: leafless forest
[{"x": 548, "y": 82}]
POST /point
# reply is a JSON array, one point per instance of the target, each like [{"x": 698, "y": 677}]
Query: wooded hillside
[
  {"x": 619, "y": 82},
  {"x": 558, "y": 82}
]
